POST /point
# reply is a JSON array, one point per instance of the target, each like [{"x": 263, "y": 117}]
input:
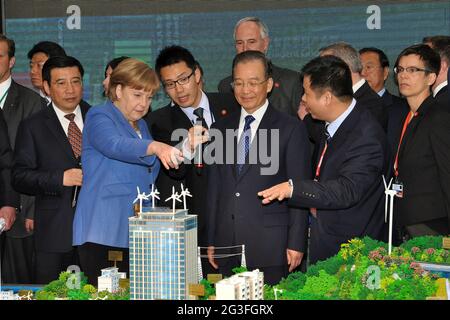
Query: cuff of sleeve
[{"x": 291, "y": 184}]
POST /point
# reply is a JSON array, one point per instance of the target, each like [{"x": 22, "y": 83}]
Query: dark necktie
[
  {"x": 199, "y": 113},
  {"x": 244, "y": 143},
  {"x": 74, "y": 135},
  {"x": 327, "y": 134}
]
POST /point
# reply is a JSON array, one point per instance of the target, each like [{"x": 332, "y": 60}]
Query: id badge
[{"x": 397, "y": 186}]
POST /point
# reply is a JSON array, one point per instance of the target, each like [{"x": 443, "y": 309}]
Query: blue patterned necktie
[
  {"x": 244, "y": 143},
  {"x": 327, "y": 134}
]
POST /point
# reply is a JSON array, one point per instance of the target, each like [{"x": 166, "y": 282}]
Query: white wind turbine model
[
  {"x": 390, "y": 194},
  {"x": 174, "y": 197},
  {"x": 154, "y": 194},
  {"x": 141, "y": 197},
  {"x": 185, "y": 193}
]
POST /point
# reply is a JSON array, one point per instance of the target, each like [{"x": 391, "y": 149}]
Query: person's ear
[
  {"x": 119, "y": 91},
  {"x": 385, "y": 73},
  {"x": 46, "y": 87},
  {"x": 269, "y": 84},
  {"x": 12, "y": 62},
  {"x": 432, "y": 78}
]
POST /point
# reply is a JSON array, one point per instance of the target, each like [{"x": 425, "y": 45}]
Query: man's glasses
[
  {"x": 410, "y": 70},
  {"x": 252, "y": 84},
  {"x": 182, "y": 81}
]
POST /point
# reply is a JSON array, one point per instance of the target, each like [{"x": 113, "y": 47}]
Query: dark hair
[
  {"x": 382, "y": 58},
  {"x": 114, "y": 63},
  {"x": 332, "y": 73},
  {"x": 433, "y": 39},
  {"x": 172, "y": 55},
  {"x": 51, "y": 49},
  {"x": 253, "y": 55},
  {"x": 11, "y": 45},
  {"x": 440, "y": 46},
  {"x": 429, "y": 57},
  {"x": 59, "y": 62}
]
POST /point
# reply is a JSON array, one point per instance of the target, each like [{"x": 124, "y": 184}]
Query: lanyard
[
  {"x": 405, "y": 125},
  {"x": 4, "y": 96},
  {"x": 316, "y": 178}
]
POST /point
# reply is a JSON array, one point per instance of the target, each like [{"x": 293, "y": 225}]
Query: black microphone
[{"x": 76, "y": 189}]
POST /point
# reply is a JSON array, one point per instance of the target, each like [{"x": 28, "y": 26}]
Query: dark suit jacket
[
  {"x": 42, "y": 154},
  {"x": 20, "y": 103},
  {"x": 424, "y": 166},
  {"x": 397, "y": 109},
  {"x": 349, "y": 195},
  {"x": 8, "y": 197},
  {"x": 162, "y": 123},
  {"x": 370, "y": 100},
  {"x": 443, "y": 99},
  {"x": 286, "y": 93},
  {"x": 236, "y": 215}
]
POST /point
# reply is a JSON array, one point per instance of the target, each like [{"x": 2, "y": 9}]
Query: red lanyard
[
  {"x": 405, "y": 125},
  {"x": 320, "y": 162}
]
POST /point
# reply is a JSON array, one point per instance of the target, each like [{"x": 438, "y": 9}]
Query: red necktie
[{"x": 74, "y": 135}]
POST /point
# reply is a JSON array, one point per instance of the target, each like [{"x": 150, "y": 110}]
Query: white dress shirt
[
  {"x": 439, "y": 87},
  {"x": 258, "y": 115},
  {"x": 358, "y": 85},
  {"x": 4, "y": 87}
]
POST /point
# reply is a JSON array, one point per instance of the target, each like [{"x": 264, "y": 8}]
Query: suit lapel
[
  {"x": 53, "y": 124},
  {"x": 9, "y": 108},
  {"x": 180, "y": 119}
]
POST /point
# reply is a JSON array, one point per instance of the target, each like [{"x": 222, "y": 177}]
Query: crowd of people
[{"x": 69, "y": 171}]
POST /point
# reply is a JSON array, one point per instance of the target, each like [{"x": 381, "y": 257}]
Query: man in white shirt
[
  {"x": 270, "y": 146},
  {"x": 47, "y": 153}
]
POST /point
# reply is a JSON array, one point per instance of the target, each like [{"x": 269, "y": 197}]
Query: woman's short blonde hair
[{"x": 135, "y": 74}]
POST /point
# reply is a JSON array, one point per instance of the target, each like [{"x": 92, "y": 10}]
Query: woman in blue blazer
[{"x": 118, "y": 155}]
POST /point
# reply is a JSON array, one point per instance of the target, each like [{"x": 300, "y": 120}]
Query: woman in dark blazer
[{"x": 422, "y": 164}]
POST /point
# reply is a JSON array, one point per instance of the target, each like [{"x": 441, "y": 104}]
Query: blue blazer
[{"x": 114, "y": 163}]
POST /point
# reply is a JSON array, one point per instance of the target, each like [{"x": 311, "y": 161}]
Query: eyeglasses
[
  {"x": 182, "y": 81},
  {"x": 410, "y": 70},
  {"x": 370, "y": 67},
  {"x": 252, "y": 84}
]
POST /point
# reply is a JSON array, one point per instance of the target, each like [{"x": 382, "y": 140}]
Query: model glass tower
[{"x": 163, "y": 254}]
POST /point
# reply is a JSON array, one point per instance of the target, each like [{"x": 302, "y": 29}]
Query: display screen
[{"x": 97, "y": 31}]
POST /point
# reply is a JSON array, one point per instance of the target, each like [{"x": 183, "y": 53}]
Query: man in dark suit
[
  {"x": 18, "y": 103},
  {"x": 274, "y": 235},
  {"x": 47, "y": 151},
  {"x": 422, "y": 163},
  {"x": 250, "y": 33},
  {"x": 181, "y": 78},
  {"x": 346, "y": 196},
  {"x": 375, "y": 69}
]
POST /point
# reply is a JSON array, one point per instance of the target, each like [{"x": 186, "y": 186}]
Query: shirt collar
[
  {"x": 61, "y": 114},
  {"x": 439, "y": 87},
  {"x": 4, "y": 86},
  {"x": 381, "y": 92},
  {"x": 204, "y": 103},
  {"x": 46, "y": 97},
  {"x": 258, "y": 114},
  {"x": 358, "y": 85},
  {"x": 334, "y": 126}
]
